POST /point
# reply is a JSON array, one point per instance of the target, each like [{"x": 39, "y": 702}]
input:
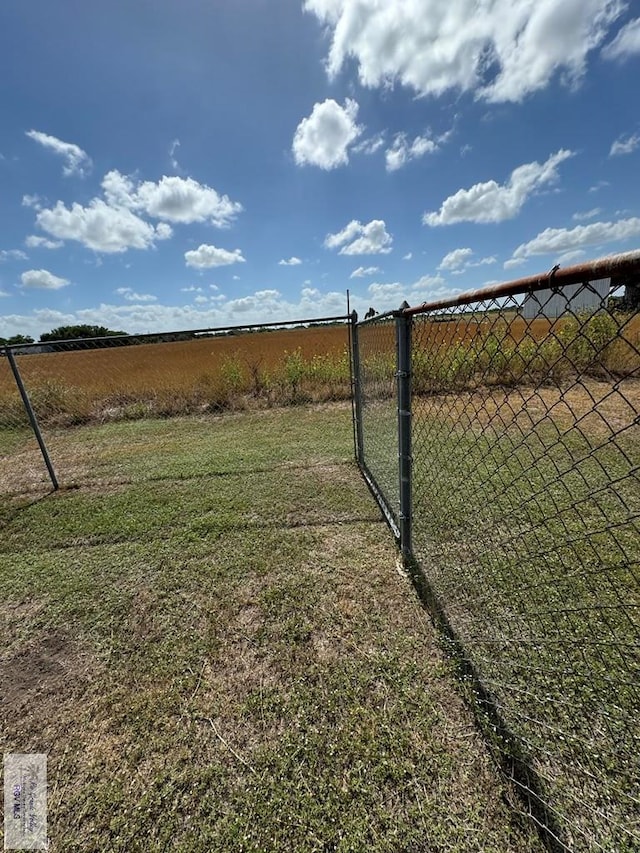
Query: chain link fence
[
  {"x": 525, "y": 529},
  {"x": 376, "y": 408},
  {"x": 98, "y": 382}
]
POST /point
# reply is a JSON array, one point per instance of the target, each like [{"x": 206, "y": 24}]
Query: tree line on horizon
[{"x": 63, "y": 333}]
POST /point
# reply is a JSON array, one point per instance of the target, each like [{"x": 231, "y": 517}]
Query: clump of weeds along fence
[
  {"x": 497, "y": 351},
  {"x": 504, "y": 449}
]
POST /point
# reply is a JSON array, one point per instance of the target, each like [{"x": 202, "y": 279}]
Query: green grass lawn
[{"x": 206, "y": 633}]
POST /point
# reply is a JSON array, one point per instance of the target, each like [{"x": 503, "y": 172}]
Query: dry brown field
[
  {"x": 177, "y": 365},
  {"x": 289, "y": 365}
]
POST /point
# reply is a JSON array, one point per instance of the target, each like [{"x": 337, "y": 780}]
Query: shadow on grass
[
  {"x": 504, "y": 746},
  {"x": 10, "y": 513},
  {"x": 164, "y": 478},
  {"x": 214, "y": 531},
  {"x": 218, "y": 474}
]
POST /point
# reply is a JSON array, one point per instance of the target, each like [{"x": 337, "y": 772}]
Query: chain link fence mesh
[
  {"x": 377, "y": 387},
  {"x": 103, "y": 382},
  {"x": 526, "y": 508}
]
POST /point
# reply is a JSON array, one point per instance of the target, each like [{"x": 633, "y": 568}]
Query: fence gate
[{"x": 500, "y": 433}]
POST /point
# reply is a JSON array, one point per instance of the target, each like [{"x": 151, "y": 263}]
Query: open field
[
  {"x": 281, "y": 367},
  {"x": 208, "y": 636},
  {"x": 459, "y": 352},
  {"x": 181, "y": 377}
]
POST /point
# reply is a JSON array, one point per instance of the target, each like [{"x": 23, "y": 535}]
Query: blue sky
[{"x": 170, "y": 165}]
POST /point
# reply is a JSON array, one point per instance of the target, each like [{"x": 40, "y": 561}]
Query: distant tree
[
  {"x": 16, "y": 339},
  {"x": 68, "y": 333}
]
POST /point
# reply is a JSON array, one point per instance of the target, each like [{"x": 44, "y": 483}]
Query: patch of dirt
[
  {"x": 37, "y": 679},
  {"x": 39, "y": 669}
]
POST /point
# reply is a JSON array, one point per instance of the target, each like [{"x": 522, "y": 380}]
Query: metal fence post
[
  {"x": 32, "y": 416},
  {"x": 357, "y": 389},
  {"x": 403, "y": 337}
]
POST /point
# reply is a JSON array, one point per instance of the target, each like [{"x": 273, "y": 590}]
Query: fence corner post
[
  {"x": 31, "y": 415},
  {"x": 403, "y": 336},
  {"x": 356, "y": 381}
]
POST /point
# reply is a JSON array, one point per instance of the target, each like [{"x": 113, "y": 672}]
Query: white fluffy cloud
[
  {"x": 503, "y": 50},
  {"x": 459, "y": 260},
  {"x": 513, "y": 262},
  {"x": 35, "y": 242},
  {"x": 370, "y": 145},
  {"x": 12, "y": 255},
  {"x": 364, "y": 271},
  {"x": 31, "y": 201},
  {"x": 131, "y": 296},
  {"x": 115, "y": 225},
  {"x": 402, "y": 150},
  {"x": 455, "y": 259},
  {"x": 493, "y": 202},
  {"x": 261, "y": 302},
  {"x": 101, "y": 227},
  {"x": 358, "y": 239},
  {"x": 292, "y": 262},
  {"x": 218, "y": 310},
  {"x": 386, "y": 293},
  {"x": 570, "y": 257},
  {"x": 626, "y": 43},
  {"x": 625, "y": 146},
  {"x": 309, "y": 293},
  {"x": 433, "y": 283},
  {"x": 42, "y": 280},
  {"x": 587, "y": 214},
  {"x": 389, "y": 295},
  {"x": 76, "y": 161},
  {"x": 323, "y": 139},
  {"x": 205, "y": 257},
  {"x": 172, "y": 155},
  {"x": 173, "y": 199},
  {"x": 554, "y": 241}
]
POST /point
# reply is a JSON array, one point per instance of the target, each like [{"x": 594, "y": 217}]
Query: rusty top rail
[{"x": 611, "y": 266}]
